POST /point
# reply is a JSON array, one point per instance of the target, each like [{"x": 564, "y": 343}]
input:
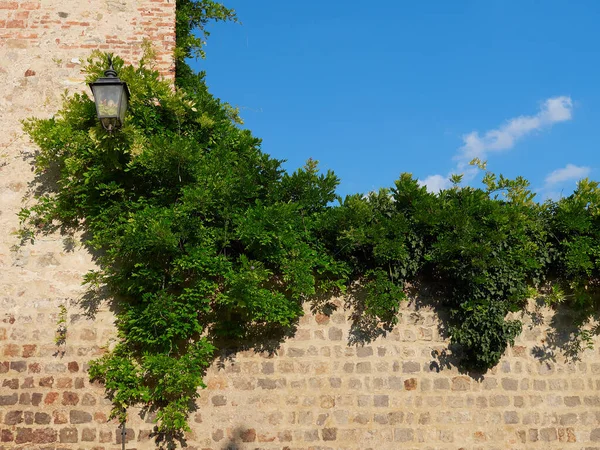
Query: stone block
[
  {"x": 44, "y": 436},
  {"x": 9, "y": 400},
  {"x": 411, "y": 367},
  {"x": 548, "y": 434},
  {"x": 329, "y": 434},
  {"x": 78, "y": 417},
  {"x": 404, "y": 435}
]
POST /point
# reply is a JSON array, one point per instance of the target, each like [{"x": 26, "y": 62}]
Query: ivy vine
[{"x": 204, "y": 241}]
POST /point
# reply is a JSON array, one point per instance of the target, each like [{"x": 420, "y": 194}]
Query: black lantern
[{"x": 111, "y": 96}]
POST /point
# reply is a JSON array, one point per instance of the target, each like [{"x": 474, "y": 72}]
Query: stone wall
[
  {"x": 315, "y": 392},
  {"x": 45, "y": 397}
]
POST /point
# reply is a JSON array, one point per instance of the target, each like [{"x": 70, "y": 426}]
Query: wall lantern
[{"x": 111, "y": 96}]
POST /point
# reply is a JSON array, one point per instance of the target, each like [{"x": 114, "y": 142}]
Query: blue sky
[{"x": 374, "y": 89}]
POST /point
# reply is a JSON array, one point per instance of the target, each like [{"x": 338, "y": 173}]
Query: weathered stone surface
[
  {"x": 42, "y": 418},
  {"x": 329, "y": 434},
  {"x": 404, "y": 434},
  {"x": 44, "y": 436},
  {"x": 11, "y": 399},
  {"x": 24, "y": 435},
  {"x": 68, "y": 435},
  {"x": 77, "y": 417},
  {"x": 13, "y": 417}
]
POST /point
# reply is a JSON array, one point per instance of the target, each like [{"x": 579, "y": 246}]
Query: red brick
[
  {"x": 70, "y": 398},
  {"x": 44, "y": 436},
  {"x": 24, "y": 435},
  {"x": 64, "y": 383},
  {"x": 7, "y": 436},
  {"x": 248, "y": 435},
  {"x": 105, "y": 436},
  {"x": 29, "y": 350},
  {"x": 35, "y": 368},
  {"x": 73, "y": 366},
  {"x": 30, "y": 5},
  {"x": 51, "y": 398},
  {"x": 9, "y": 5},
  {"x": 15, "y": 24},
  {"x": 12, "y": 350},
  {"x": 322, "y": 319},
  {"x": 46, "y": 382},
  {"x": 60, "y": 417},
  {"x": 265, "y": 437}
]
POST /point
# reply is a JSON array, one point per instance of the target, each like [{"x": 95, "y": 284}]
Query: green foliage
[
  {"x": 193, "y": 16},
  {"x": 575, "y": 230},
  {"x": 480, "y": 253},
  {"x": 204, "y": 241},
  {"x": 200, "y": 235},
  {"x": 61, "y": 326}
]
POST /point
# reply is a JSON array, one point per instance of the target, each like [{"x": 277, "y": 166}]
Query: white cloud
[
  {"x": 553, "y": 110},
  {"x": 435, "y": 183},
  {"x": 567, "y": 173},
  {"x": 475, "y": 145}
]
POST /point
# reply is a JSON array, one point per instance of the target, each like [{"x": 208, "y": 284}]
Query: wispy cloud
[
  {"x": 476, "y": 145},
  {"x": 567, "y": 173},
  {"x": 553, "y": 110},
  {"x": 436, "y": 183}
]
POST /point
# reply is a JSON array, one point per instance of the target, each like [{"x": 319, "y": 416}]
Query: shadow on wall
[
  {"x": 565, "y": 337},
  {"x": 240, "y": 438},
  {"x": 564, "y": 334}
]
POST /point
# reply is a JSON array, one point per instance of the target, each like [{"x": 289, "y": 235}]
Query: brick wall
[
  {"x": 43, "y": 42},
  {"x": 316, "y": 392}
]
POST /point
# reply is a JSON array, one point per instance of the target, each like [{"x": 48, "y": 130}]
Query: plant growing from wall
[
  {"x": 201, "y": 236},
  {"x": 61, "y": 326},
  {"x": 205, "y": 241}
]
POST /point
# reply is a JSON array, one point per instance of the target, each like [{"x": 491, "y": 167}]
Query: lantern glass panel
[
  {"x": 123, "y": 104},
  {"x": 108, "y": 99}
]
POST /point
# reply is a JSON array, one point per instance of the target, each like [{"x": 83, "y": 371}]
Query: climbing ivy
[{"x": 205, "y": 242}]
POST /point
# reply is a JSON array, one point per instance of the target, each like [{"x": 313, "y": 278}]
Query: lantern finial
[{"x": 110, "y": 72}]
